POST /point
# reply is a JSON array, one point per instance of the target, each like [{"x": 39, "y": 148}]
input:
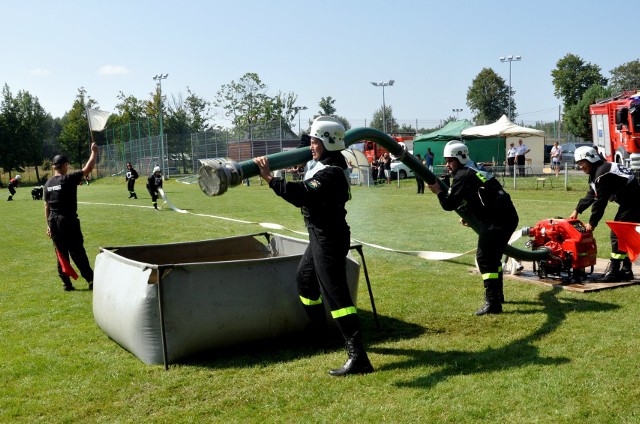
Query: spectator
[
  {"x": 556, "y": 157},
  {"x": 420, "y": 181},
  {"x": 511, "y": 158},
  {"x": 429, "y": 159},
  {"x": 522, "y": 150}
]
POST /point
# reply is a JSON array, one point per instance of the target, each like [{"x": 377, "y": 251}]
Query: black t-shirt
[{"x": 61, "y": 193}]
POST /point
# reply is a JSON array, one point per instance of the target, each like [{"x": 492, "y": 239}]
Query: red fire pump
[{"x": 571, "y": 248}]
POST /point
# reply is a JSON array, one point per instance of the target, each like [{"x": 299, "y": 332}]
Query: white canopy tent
[
  {"x": 359, "y": 166},
  {"x": 511, "y": 132}
]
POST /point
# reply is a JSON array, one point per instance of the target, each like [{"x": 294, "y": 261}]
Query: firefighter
[
  {"x": 130, "y": 177},
  {"x": 154, "y": 182},
  {"x": 321, "y": 275},
  {"x": 13, "y": 183},
  {"x": 479, "y": 194},
  {"x": 60, "y": 210},
  {"x": 609, "y": 182}
]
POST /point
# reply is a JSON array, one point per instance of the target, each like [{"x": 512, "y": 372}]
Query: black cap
[{"x": 59, "y": 160}]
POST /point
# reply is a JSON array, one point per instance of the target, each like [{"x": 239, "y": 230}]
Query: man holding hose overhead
[{"x": 321, "y": 274}]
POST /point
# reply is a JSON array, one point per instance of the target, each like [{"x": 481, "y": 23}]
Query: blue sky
[{"x": 432, "y": 49}]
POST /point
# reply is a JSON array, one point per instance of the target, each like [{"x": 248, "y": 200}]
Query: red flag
[
  {"x": 628, "y": 234},
  {"x": 66, "y": 266}
]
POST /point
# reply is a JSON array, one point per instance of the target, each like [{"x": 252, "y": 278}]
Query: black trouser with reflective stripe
[
  {"x": 67, "y": 236},
  {"x": 322, "y": 277},
  {"x": 492, "y": 241},
  {"x": 131, "y": 185}
]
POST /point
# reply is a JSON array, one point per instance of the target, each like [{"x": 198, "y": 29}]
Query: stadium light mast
[
  {"x": 159, "y": 78},
  {"x": 510, "y": 58},
  {"x": 383, "y": 84},
  {"x": 457, "y": 111},
  {"x": 298, "y": 109}
]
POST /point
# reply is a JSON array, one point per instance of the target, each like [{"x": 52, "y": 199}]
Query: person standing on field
[
  {"x": 130, "y": 177},
  {"x": 321, "y": 276},
  {"x": 556, "y": 156},
  {"x": 60, "y": 211},
  {"x": 154, "y": 182},
  {"x": 521, "y": 151}
]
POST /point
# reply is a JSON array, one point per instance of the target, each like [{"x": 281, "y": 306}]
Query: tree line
[{"x": 29, "y": 135}]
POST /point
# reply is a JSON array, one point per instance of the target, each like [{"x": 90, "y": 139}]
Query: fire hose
[{"x": 216, "y": 176}]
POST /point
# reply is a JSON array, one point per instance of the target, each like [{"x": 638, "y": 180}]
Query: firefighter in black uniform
[
  {"x": 130, "y": 177},
  {"x": 609, "y": 182},
  {"x": 321, "y": 274},
  {"x": 154, "y": 182},
  {"x": 13, "y": 183},
  {"x": 479, "y": 194},
  {"x": 60, "y": 210}
]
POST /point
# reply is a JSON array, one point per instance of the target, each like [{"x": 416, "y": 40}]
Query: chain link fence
[{"x": 182, "y": 153}]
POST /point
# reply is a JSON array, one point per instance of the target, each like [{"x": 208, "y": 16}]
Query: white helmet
[
  {"x": 18, "y": 177},
  {"x": 456, "y": 149},
  {"x": 157, "y": 169},
  {"x": 330, "y": 131},
  {"x": 587, "y": 153}
]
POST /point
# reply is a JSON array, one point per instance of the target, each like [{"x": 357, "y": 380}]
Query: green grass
[{"x": 552, "y": 357}]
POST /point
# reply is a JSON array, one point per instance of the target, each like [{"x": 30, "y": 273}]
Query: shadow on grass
[
  {"x": 298, "y": 346},
  {"x": 516, "y": 354}
]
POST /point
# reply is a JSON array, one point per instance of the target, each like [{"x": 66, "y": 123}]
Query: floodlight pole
[
  {"x": 159, "y": 78},
  {"x": 383, "y": 84},
  {"x": 298, "y": 109},
  {"x": 510, "y": 58},
  {"x": 457, "y": 111}
]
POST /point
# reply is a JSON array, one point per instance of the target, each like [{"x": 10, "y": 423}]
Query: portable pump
[{"x": 571, "y": 247}]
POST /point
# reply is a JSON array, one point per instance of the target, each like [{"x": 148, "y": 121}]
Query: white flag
[{"x": 97, "y": 119}]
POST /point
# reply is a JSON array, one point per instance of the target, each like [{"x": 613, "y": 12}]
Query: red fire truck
[
  {"x": 616, "y": 128},
  {"x": 372, "y": 150}
]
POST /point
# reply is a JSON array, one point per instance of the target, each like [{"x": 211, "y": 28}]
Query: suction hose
[{"x": 217, "y": 175}]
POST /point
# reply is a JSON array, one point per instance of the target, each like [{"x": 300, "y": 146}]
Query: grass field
[{"x": 552, "y": 357}]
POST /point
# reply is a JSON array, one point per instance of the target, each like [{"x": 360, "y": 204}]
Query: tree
[
  {"x": 488, "y": 97},
  {"x": 33, "y": 129},
  {"x": 625, "y": 76},
  {"x": 378, "y": 119},
  {"x": 199, "y": 111},
  {"x": 24, "y": 126},
  {"x": 327, "y": 108},
  {"x": 75, "y": 140},
  {"x": 9, "y": 124},
  {"x": 572, "y": 77},
  {"x": 577, "y": 118},
  {"x": 130, "y": 111},
  {"x": 244, "y": 102}
]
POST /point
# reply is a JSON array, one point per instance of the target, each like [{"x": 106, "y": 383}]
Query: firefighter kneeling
[
  {"x": 609, "y": 182},
  {"x": 478, "y": 193}
]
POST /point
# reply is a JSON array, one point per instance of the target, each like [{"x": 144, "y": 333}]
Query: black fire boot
[
  {"x": 500, "y": 289},
  {"x": 626, "y": 272},
  {"x": 135, "y": 196},
  {"x": 612, "y": 273},
  {"x": 358, "y": 361},
  {"x": 492, "y": 303},
  {"x": 66, "y": 282}
]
